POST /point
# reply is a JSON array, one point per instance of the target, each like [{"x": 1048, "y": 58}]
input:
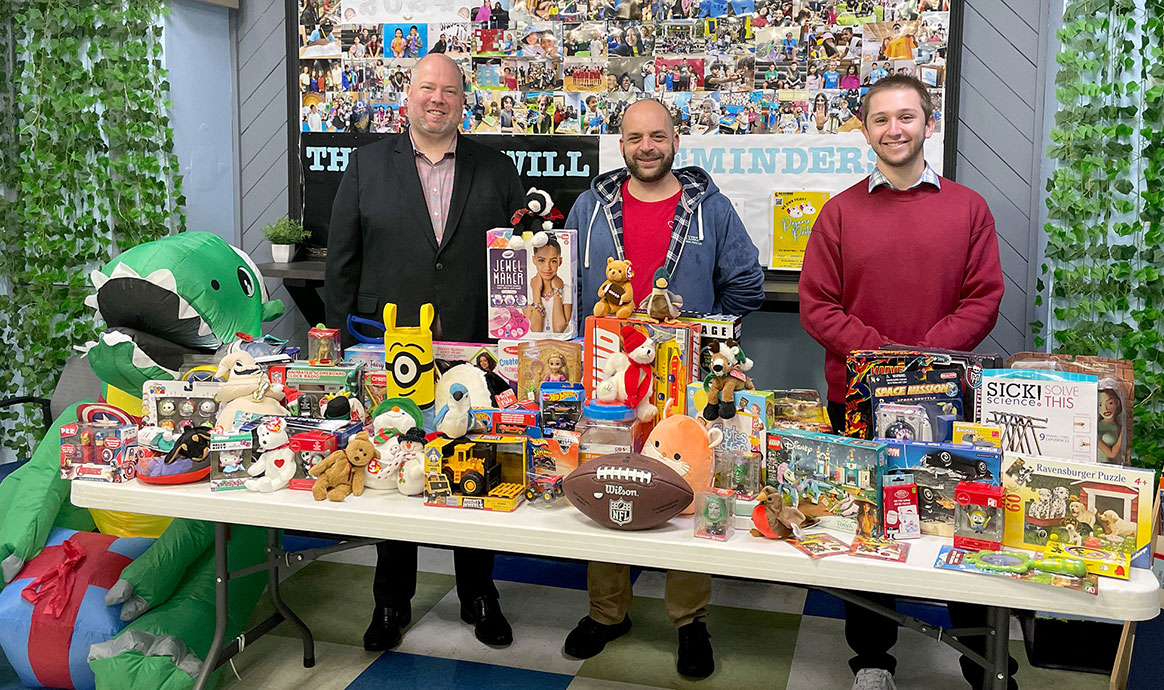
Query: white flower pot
[{"x": 283, "y": 253}]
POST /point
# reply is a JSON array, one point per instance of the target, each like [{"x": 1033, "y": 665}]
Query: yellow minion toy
[{"x": 408, "y": 357}]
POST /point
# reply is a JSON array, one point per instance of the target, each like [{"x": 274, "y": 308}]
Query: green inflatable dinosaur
[{"x": 185, "y": 294}]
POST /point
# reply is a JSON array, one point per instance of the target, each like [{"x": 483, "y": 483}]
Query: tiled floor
[{"x": 765, "y": 636}]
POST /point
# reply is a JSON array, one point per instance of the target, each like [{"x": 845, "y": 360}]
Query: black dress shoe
[
  {"x": 489, "y": 624},
  {"x": 695, "y": 659},
  {"x": 387, "y": 627},
  {"x": 589, "y": 637}
]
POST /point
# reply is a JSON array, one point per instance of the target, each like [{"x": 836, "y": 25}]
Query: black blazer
[{"x": 381, "y": 247}]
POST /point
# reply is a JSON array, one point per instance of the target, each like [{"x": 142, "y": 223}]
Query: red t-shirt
[{"x": 646, "y": 235}]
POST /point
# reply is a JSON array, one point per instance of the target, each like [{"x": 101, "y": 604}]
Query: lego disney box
[
  {"x": 532, "y": 286},
  {"x": 1085, "y": 505}
]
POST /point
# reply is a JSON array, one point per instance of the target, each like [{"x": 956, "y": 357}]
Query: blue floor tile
[{"x": 394, "y": 669}]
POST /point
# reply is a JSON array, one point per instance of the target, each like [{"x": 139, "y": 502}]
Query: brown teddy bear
[
  {"x": 342, "y": 472},
  {"x": 616, "y": 296}
]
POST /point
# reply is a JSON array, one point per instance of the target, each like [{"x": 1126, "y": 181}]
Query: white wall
[{"x": 198, "y": 55}]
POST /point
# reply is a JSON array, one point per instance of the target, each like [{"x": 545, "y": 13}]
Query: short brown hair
[{"x": 899, "y": 81}]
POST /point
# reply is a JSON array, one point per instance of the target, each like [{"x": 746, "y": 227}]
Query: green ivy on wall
[
  {"x": 86, "y": 168},
  {"x": 1102, "y": 275}
]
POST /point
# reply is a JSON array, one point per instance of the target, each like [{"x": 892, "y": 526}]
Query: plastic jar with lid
[{"x": 606, "y": 429}]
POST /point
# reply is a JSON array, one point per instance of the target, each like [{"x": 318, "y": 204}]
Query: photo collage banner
[{"x": 793, "y": 70}]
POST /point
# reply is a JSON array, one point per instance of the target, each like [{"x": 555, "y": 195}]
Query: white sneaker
[{"x": 873, "y": 679}]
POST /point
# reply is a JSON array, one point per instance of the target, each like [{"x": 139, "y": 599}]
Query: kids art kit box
[
  {"x": 916, "y": 405},
  {"x": 793, "y": 214},
  {"x": 833, "y": 478},
  {"x": 744, "y": 433},
  {"x": 937, "y": 468},
  {"x": 1101, "y": 507},
  {"x": 1117, "y": 382},
  {"x": 860, "y": 363},
  {"x": 1041, "y": 412},
  {"x": 532, "y": 285}
]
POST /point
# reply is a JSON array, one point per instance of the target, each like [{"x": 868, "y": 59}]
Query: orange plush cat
[{"x": 686, "y": 446}]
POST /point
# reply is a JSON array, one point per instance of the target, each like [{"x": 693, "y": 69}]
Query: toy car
[
  {"x": 546, "y": 487},
  {"x": 970, "y": 468}
]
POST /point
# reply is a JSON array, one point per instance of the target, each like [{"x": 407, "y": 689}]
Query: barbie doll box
[{"x": 531, "y": 284}]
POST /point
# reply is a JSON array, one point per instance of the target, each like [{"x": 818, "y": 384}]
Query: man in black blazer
[{"x": 408, "y": 226}]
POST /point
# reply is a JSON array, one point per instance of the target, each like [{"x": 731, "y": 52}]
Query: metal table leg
[
  {"x": 998, "y": 647},
  {"x": 221, "y": 575},
  {"x": 274, "y": 555}
]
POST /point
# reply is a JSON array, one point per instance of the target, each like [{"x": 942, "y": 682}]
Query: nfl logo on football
[{"x": 620, "y": 511}]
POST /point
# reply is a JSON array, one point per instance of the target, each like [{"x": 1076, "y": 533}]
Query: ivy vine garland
[
  {"x": 86, "y": 170},
  {"x": 1101, "y": 275}
]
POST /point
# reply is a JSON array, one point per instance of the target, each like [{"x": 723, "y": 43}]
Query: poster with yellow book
[{"x": 793, "y": 214}]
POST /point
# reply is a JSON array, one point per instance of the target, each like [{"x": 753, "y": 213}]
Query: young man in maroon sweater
[{"x": 908, "y": 257}]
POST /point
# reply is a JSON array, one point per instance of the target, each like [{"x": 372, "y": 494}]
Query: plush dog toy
[
  {"x": 615, "y": 295},
  {"x": 775, "y": 520},
  {"x": 342, "y": 472},
  {"x": 725, "y": 378},
  {"x": 686, "y": 446},
  {"x": 276, "y": 463},
  {"x": 629, "y": 376}
]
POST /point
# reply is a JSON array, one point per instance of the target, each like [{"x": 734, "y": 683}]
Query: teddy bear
[
  {"x": 276, "y": 463},
  {"x": 615, "y": 295},
  {"x": 725, "y": 378},
  {"x": 628, "y": 376},
  {"x": 686, "y": 446},
  {"x": 342, "y": 472}
]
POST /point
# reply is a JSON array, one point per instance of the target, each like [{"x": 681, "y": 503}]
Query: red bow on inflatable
[
  {"x": 56, "y": 585},
  {"x": 554, "y": 214}
]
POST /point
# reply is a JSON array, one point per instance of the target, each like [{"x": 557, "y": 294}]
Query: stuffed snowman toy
[
  {"x": 410, "y": 478},
  {"x": 391, "y": 418},
  {"x": 276, "y": 463}
]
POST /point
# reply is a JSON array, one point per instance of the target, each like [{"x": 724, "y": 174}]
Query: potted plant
[{"x": 283, "y": 235}]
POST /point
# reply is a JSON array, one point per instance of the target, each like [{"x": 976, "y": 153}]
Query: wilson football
[{"x": 627, "y": 491}]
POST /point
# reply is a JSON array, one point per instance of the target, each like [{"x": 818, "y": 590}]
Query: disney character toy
[
  {"x": 663, "y": 305},
  {"x": 615, "y": 295},
  {"x": 246, "y": 388},
  {"x": 277, "y": 462}
]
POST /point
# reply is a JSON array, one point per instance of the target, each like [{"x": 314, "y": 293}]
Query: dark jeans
[
  {"x": 395, "y": 581},
  {"x": 871, "y": 635}
]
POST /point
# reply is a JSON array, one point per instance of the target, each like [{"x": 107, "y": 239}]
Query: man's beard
[{"x": 639, "y": 174}]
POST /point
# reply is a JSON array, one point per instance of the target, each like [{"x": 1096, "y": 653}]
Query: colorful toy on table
[
  {"x": 1068, "y": 573},
  {"x": 231, "y": 454},
  {"x": 627, "y": 491},
  {"x": 978, "y": 516},
  {"x": 561, "y": 405},
  {"x": 390, "y": 420},
  {"x": 739, "y": 473},
  {"x": 482, "y": 472},
  {"x": 323, "y": 346},
  {"x": 410, "y": 476},
  {"x": 97, "y": 451},
  {"x": 774, "y": 518},
  {"x": 820, "y": 545},
  {"x": 916, "y": 405},
  {"x": 686, "y": 446},
  {"x": 342, "y": 405},
  {"x": 551, "y": 458},
  {"x": 1097, "y": 561},
  {"x": 727, "y": 376},
  {"x": 662, "y": 304},
  {"x": 899, "y": 502},
  {"x": 179, "y": 405},
  {"x": 534, "y": 218},
  {"x": 546, "y": 361},
  {"x": 409, "y": 358},
  {"x": 246, "y": 392},
  {"x": 629, "y": 375},
  {"x": 342, "y": 472},
  {"x": 454, "y": 419},
  {"x": 276, "y": 460},
  {"x": 714, "y": 515},
  {"x": 616, "y": 297},
  {"x": 307, "y": 449}
]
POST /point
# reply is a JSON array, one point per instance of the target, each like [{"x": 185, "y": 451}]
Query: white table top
[{"x": 564, "y": 532}]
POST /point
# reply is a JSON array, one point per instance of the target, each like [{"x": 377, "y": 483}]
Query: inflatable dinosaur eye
[{"x": 246, "y": 282}]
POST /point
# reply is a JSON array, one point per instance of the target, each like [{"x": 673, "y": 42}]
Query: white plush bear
[
  {"x": 276, "y": 463},
  {"x": 388, "y": 427}
]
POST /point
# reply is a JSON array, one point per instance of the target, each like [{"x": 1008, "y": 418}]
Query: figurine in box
[
  {"x": 714, "y": 515},
  {"x": 978, "y": 516},
  {"x": 323, "y": 346}
]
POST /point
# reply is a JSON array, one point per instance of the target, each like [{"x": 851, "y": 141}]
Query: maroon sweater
[{"x": 915, "y": 267}]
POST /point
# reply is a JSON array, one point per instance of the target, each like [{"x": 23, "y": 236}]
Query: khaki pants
[{"x": 686, "y": 595}]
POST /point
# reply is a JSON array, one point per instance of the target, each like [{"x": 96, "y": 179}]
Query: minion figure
[{"x": 408, "y": 357}]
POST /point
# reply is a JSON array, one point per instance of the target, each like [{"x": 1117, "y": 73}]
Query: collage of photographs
[{"x": 573, "y": 66}]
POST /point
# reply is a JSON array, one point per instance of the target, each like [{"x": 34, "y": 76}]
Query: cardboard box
[
  {"x": 937, "y": 468},
  {"x": 309, "y": 447},
  {"x": 315, "y": 382},
  {"x": 230, "y": 456},
  {"x": 1106, "y": 507},
  {"x": 482, "y": 472},
  {"x": 96, "y": 452},
  {"x": 1115, "y": 564},
  {"x": 179, "y": 405},
  {"x": 900, "y": 510},
  {"x": 604, "y": 338},
  {"x": 371, "y": 355},
  {"x": 515, "y": 300},
  {"x": 1050, "y": 413},
  {"x": 971, "y": 434}
]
